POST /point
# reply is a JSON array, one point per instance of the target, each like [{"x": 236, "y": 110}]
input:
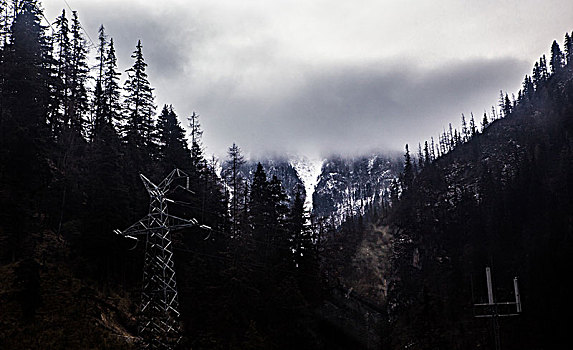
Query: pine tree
[
  {"x": 439, "y": 147},
  {"x": 556, "y": 61},
  {"x": 432, "y": 148},
  {"x": 101, "y": 53},
  {"x": 196, "y": 146},
  {"x": 465, "y": 131},
  {"x": 501, "y": 104},
  {"x": 506, "y": 106},
  {"x": 259, "y": 203},
  {"x": 408, "y": 175},
  {"x": 528, "y": 88},
  {"x": 78, "y": 101},
  {"x": 111, "y": 86},
  {"x": 421, "y": 156},
  {"x": 173, "y": 149},
  {"x": 568, "y": 46},
  {"x": 484, "y": 122},
  {"x": 139, "y": 107},
  {"x": 214, "y": 202},
  {"x": 427, "y": 158},
  {"x": 451, "y": 139},
  {"x": 25, "y": 92},
  {"x": 62, "y": 54},
  {"x": 536, "y": 75},
  {"x": 443, "y": 143},
  {"x": 99, "y": 103},
  {"x": 473, "y": 127},
  {"x": 233, "y": 176},
  {"x": 493, "y": 114},
  {"x": 543, "y": 69}
]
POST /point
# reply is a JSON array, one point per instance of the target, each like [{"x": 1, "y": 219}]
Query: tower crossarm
[
  {"x": 143, "y": 226},
  {"x": 175, "y": 222},
  {"x": 176, "y": 174}
]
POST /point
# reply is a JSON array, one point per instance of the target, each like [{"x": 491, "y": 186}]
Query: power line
[
  {"x": 50, "y": 24},
  {"x": 81, "y": 26}
]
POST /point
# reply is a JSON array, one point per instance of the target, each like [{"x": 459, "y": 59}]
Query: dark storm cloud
[{"x": 356, "y": 108}]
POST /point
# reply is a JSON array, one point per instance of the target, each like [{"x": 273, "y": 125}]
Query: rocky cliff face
[
  {"x": 337, "y": 187},
  {"x": 282, "y": 169},
  {"x": 351, "y": 186}
]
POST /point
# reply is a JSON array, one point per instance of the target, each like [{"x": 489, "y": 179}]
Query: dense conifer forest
[
  {"x": 404, "y": 272},
  {"x": 499, "y": 198},
  {"x": 74, "y": 141}
]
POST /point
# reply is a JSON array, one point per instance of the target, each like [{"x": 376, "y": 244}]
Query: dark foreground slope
[
  {"x": 45, "y": 305},
  {"x": 504, "y": 199}
]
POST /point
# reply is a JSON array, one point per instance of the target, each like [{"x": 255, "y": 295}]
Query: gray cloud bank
[
  {"x": 357, "y": 108},
  {"x": 251, "y": 86}
]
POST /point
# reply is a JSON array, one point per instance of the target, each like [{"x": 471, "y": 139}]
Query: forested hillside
[
  {"x": 74, "y": 140},
  {"x": 501, "y": 198}
]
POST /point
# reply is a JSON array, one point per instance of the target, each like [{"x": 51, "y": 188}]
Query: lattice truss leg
[{"x": 159, "y": 315}]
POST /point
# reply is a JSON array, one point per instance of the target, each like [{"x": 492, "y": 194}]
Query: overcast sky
[{"x": 323, "y": 76}]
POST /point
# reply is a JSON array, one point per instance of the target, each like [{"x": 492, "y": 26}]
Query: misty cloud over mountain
[{"x": 356, "y": 108}]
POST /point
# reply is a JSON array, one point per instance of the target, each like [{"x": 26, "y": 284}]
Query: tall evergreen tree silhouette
[
  {"x": 196, "y": 146},
  {"x": 568, "y": 48},
  {"x": 111, "y": 87},
  {"x": 484, "y": 121},
  {"x": 99, "y": 102},
  {"x": 473, "y": 128},
  {"x": 173, "y": 149},
  {"x": 62, "y": 58},
  {"x": 26, "y": 79},
  {"x": 235, "y": 180},
  {"x": 408, "y": 175},
  {"x": 75, "y": 118},
  {"x": 139, "y": 106},
  {"x": 557, "y": 59},
  {"x": 259, "y": 204}
]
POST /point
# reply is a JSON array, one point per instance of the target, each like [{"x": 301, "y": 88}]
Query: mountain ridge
[{"x": 502, "y": 199}]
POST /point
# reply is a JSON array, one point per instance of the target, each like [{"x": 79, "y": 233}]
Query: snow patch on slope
[{"x": 308, "y": 170}]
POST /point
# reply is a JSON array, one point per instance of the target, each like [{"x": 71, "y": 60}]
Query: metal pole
[
  {"x": 494, "y": 320},
  {"x": 489, "y": 286},
  {"x": 517, "y": 296}
]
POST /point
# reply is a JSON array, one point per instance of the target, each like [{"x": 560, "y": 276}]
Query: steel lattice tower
[{"x": 159, "y": 311}]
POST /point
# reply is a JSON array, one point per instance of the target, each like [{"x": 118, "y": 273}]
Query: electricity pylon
[{"x": 159, "y": 312}]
